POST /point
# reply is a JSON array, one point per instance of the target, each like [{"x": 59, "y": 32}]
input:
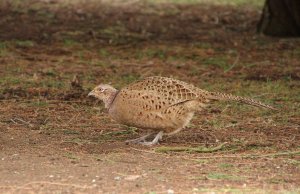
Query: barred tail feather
[{"x": 249, "y": 101}]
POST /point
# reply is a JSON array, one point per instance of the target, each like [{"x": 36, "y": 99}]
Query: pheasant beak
[{"x": 91, "y": 93}]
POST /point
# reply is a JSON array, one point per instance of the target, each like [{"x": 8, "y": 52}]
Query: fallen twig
[
  {"x": 21, "y": 121},
  {"x": 200, "y": 149},
  {"x": 293, "y": 153}
]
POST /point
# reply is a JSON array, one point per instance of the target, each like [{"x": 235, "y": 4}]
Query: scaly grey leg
[
  {"x": 154, "y": 141},
  {"x": 140, "y": 139}
]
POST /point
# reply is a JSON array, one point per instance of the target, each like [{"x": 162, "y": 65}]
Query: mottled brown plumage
[{"x": 159, "y": 103}]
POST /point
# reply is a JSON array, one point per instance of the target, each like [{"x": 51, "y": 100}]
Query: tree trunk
[{"x": 280, "y": 18}]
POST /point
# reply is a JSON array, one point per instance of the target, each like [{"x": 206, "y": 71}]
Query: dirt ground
[{"x": 53, "y": 139}]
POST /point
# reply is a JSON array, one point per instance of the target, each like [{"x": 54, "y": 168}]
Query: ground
[{"x": 54, "y": 139}]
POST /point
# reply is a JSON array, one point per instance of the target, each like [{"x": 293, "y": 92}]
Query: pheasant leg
[
  {"x": 143, "y": 140},
  {"x": 140, "y": 139},
  {"x": 154, "y": 141}
]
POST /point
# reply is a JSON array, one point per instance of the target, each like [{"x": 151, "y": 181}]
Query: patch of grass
[
  {"x": 116, "y": 134},
  {"x": 103, "y": 52},
  {"x": 128, "y": 78},
  {"x": 98, "y": 157},
  {"x": 202, "y": 161},
  {"x": 216, "y": 123},
  {"x": 3, "y": 49},
  {"x": 151, "y": 192},
  {"x": 117, "y": 34},
  {"x": 39, "y": 103},
  {"x": 160, "y": 53},
  {"x": 101, "y": 64},
  {"x": 220, "y": 62},
  {"x": 77, "y": 141},
  {"x": 114, "y": 30},
  {"x": 176, "y": 54},
  {"x": 277, "y": 180},
  {"x": 10, "y": 80},
  {"x": 294, "y": 162},
  {"x": 295, "y": 191},
  {"x": 221, "y": 176},
  {"x": 202, "y": 45},
  {"x": 49, "y": 72},
  {"x": 225, "y": 165},
  {"x": 264, "y": 91},
  {"x": 150, "y": 53},
  {"x": 71, "y": 156},
  {"x": 70, "y": 132},
  {"x": 51, "y": 83},
  {"x": 28, "y": 82},
  {"x": 155, "y": 170},
  {"x": 24, "y": 43},
  {"x": 296, "y": 52},
  {"x": 69, "y": 42},
  {"x": 45, "y": 14}
]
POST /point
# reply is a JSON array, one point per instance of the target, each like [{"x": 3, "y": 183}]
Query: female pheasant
[{"x": 162, "y": 104}]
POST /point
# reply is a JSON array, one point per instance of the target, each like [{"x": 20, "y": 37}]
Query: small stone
[
  {"x": 170, "y": 191},
  {"x": 117, "y": 178},
  {"x": 132, "y": 177}
]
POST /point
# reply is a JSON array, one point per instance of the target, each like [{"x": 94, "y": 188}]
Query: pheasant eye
[{"x": 101, "y": 89}]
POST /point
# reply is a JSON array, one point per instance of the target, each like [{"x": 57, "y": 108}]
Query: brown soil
[{"x": 53, "y": 139}]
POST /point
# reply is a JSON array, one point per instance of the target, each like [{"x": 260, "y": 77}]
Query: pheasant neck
[{"x": 111, "y": 99}]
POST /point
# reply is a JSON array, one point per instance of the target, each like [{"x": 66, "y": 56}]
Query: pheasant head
[{"x": 104, "y": 92}]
